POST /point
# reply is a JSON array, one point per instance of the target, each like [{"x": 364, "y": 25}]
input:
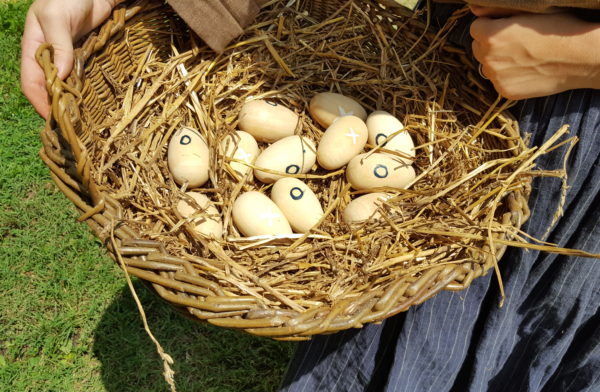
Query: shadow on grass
[{"x": 207, "y": 358}]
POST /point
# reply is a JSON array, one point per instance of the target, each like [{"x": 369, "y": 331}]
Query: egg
[
  {"x": 343, "y": 140},
  {"x": 298, "y": 202},
  {"x": 267, "y": 121},
  {"x": 364, "y": 207},
  {"x": 291, "y": 155},
  {"x": 378, "y": 170},
  {"x": 207, "y": 221},
  {"x": 255, "y": 214},
  {"x": 188, "y": 157},
  {"x": 381, "y": 125},
  {"x": 241, "y": 146},
  {"x": 325, "y": 108}
]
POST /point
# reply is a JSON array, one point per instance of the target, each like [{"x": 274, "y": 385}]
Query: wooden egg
[
  {"x": 378, "y": 170},
  {"x": 364, "y": 207},
  {"x": 291, "y": 155},
  {"x": 242, "y": 146},
  {"x": 267, "y": 121},
  {"x": 298, "y": 202},
  {"x": 256, "y": 214},
  {"x": 208, "y": 221},
  {"x": 325, "y": 108},
  {"x": 188, "y": 157},
  {"x": 342, "y": 141},
  {"x": 381, "y": 125}
]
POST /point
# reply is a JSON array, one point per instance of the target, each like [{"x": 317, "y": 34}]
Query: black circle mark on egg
[
  {"x": 379, "y": 137},
  {"x": 185, "y": 140},
  {"x": 380, "y": 171},
  {"x": 271, "y": 103},
  {"x": 296, "y": 193},
  {"x": 292, "y": 169}
]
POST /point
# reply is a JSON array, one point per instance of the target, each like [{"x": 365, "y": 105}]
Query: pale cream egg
[
  {"x": 325, "y": 108},
  {"x": 364, "y": 207},
  {"x": 298, "y": 202},
  {"x": 381, "y": 125},
  {"x": 255, "y": 214},
  {"x": 206, "y": 219},
  {"x": 342, "y": 141},
  {"x": 367, "y": 171},
  {"x": 290, "y": 155},
  {"x": 241, "y": 146},
  {"x": 267, "y": 121},
  {"x": 188, "y": 157}
]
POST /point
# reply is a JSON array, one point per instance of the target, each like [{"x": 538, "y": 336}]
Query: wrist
[
  {"x": 581, "y": 54},
  {"x": 593, "y": 46}
]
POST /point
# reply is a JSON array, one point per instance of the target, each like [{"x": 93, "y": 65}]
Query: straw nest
[{"x": 144, "y": 75}]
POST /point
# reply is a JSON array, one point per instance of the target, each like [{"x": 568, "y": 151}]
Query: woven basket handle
[
  {"x": 61, "y": 130},
  {"x": 60, "y": 134}
]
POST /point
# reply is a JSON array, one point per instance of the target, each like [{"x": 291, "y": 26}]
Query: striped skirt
[{"x": 546, "y": 337}]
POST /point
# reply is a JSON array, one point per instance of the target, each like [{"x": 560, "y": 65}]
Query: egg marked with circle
[
  {"x": 380, "y": 139},
  {"x": 382, "y": 125},
  {"x": 368, "y": 171},
  {"x": 185, "y": 140},
  {"x": 188, "y": 157},
  {"x": 380, "y": 171},
  {"x": 296, "y": 193},
  {"x": 290, "y": 155},
  {"x": 298, "y": 202},
  {"x": 292, "y": 169}
]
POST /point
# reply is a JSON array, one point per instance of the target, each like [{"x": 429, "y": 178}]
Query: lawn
[{"x": 67, "y": 319}]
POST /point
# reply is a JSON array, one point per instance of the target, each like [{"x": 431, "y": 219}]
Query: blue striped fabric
[{"x": 545, "y": 338}]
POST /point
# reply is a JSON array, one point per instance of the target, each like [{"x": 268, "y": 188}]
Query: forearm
[
  {"x": 577, "y": 56},
  {"x": 532, "y": 55},
  {"x": 531, "y": 5}
]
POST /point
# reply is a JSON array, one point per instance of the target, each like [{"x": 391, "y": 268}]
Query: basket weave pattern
[{"x": 239, "y": 285}]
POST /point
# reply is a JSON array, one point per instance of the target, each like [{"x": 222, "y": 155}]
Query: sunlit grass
[{"x": 67, "y": 319}]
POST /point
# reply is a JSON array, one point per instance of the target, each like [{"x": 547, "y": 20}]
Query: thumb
[
  {"x": 58, "y": 33},
  {"x": 63, "y": 58}
]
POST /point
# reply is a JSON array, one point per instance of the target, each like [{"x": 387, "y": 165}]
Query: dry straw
[{"x": 144, "y": 75}]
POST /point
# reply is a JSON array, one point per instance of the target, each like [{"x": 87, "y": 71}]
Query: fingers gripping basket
[{"x": 143, "y": 75}]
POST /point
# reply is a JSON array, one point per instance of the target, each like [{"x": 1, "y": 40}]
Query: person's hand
[
  {"x": 531, "y": 55},
  {"x": 60, "y": 23}
]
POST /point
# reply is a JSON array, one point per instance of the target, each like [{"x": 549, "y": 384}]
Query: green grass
[{"x": 67, "y": 319}]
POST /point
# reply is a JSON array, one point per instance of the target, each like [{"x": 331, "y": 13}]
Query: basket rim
[{"x": 196, "y": 297}]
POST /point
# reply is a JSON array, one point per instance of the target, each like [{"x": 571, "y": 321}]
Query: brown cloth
[{"x": 218, "y": 22}]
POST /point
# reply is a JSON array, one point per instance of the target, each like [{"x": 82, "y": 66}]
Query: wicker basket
[{"x": 105, "y": 145}]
